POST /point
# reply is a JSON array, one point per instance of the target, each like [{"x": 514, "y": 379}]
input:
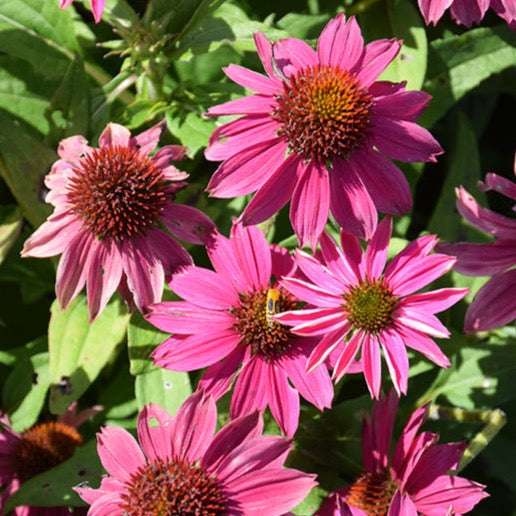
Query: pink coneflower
[
  {"x": 413, "y": 480},
  {"x": 495, "y": 303},
  {"x": 36, "y": 450},
  {"x": 180, "y": 467},
  {"x": 354, "y": 293},
  {"x": 108, "y": 203},
  {"x": 97, "y": 6},
  {"x": 226, "y": 322},
  {"x": 318, "y": 132},
  {"x": 468, "y": 12}
]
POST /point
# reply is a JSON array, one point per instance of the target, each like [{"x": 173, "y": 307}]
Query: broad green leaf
[
  {"x": 311, "y": 503},
  {"x": 458, "y": 64},
  {"x": 303, "y": 26},
  {"x": 25, "y": 390},
  {"x": 142, "y": 339},
  {"x": 191, "y": 129},
  {"x": 11, "y": 222},
  {"x": 12, "y": 356},
  {"x": 80, "y": 350},
  {"x": 403, "y": 21},
  {"x": 24, "y": 160},
  {"x": 165, "y": 388},
  {"x": 54, "y": 487}
]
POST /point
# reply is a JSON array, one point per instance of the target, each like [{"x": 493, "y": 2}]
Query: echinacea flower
[
  {"x": 108, "y": 204},
  {"x": 414, "y": 480},
  {"x": 354, "y": 293},
  {"x": 97, "y": 6},
  {"x": 319, "y": 132},
  {"x": 468, "y": 12},
  {"x": 181, "y": 467},
  {"x": 495, "y": 303},
  {"x": 36, "y": 450},
  {"x": 226, "y": 323}
]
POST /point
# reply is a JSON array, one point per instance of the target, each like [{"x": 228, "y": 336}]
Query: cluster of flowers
[{"x": 318, "y": 132}]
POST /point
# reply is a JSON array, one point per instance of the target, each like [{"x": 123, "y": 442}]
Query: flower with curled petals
[
  {"x": 495, "y": 303},
  {"x": 97, "y": 7},
  {"x": 226, "y": 323},
  {"x": 417, "y": 478},
  {"x": 319, "y": 132},
  {"x": 355, "y": 293},
  {"x": 108, "y": 204},
  {"x": 468, "y": 12},
  {"x": 181, "y": 467}
]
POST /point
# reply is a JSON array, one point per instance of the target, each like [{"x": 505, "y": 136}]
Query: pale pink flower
[
  {"x": 355, "y": 293},
  {"x": 468, "y": 12},
  {"x": 318, "y": 133},
  {"x": 108, "y": 204},
  {"x": 495, "y": 303},
  {"x": 97, "y": 6},
  {"x": 181, "y": 467},
  {"x": 414, "y": 479},
  {"x": 36, "y": 450},
  {"x": 224, "y": 323}
]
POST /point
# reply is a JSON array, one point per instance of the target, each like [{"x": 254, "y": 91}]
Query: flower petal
[
  {"x": 154, "y": 425},
  {"x": 114, "y": 135},
  {"x": 188, "y": 223},
  {"x": 252, "y": 80},
  {"x": 372, "y": 364}
]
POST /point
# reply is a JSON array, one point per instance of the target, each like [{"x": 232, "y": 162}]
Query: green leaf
[
  {"x": 54, "y": 487},
  {"x": 165, "y": 388},
  {"x": 25, "y": 390},
  {"x": 303, "y": 26},
  {"x": 403, "y": 21},
  {"x": 79, "y": 350},
  {"x": 11, "y": 222},
  {"x": 142, "y": 339},
  {"x": 458, "y": 64},
  {"x": 190, "y": 128}
]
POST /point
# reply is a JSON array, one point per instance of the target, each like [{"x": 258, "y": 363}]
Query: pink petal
[
  {"x": 376, "y": 57},
  {"x": 376, "y": 253},
  {"x": 193, "y": 427},
  {"x": 188, "y": 353},
  {"x": 264, "y": 49},
  {"x": 310, "y": 203},
  {"x": 404, "y": 105},
  {"x": 283, "y": 399},
  {"x": 348, "y": 355},
  {"x": 494, "y": 304},
  {"x": 422, "y": 321},
  {"x": 154, "y": 425},
  {"x": 252, "y": 80},
  {"x": 259, "y": 104},
  {"x": 402, "y": 504},
  {"x": 313, "y": 294},
  {"x": 372, "y": 364},
  {"x": 293, "y": 55},
  {"x": 326, "y": 345},
  {"x": 114, "y": 135},
  {"x": 282, "y": 263},
  {"x": 204, "y": 288},
  {"x": 97, "y": 6},
  {"x": 435, "y": 301},
  {"x": 396, "y": 357},
  {"x": 148, "y": 140},
  {"x": 73, "y": 148},
  {"x": 340, "y": 43},
  {"x": 250, "y": 392},
  {"x": 313, "y": 322},
  {"x": 469, "y": 13},
  {"x": 172, "y": 255},
  {"x": 188, "y": 223},
  {"x": 498, "y": 183},
  {"x": 248, "y": 170},
  {"x": 119, "y": 453},
  {"x": 274, "y": 193},
  {"x": 404, "y": 141},
  {"x": 432, "y": 10},
  {"x": 350, "y": 202},
  {"x": 345, "y": 263},
  {"x": 318, "y": 274}
]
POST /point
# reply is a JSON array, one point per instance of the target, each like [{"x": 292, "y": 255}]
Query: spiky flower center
[
  {"x": 174, "y": 487},
  {"x": 118, "y": 192},
  {"x": 323, "y": 112},
  {"x": 372, "y": 492},
  {"x": 44, "y": 446},
  {"x": 370, "y": 306},
  {"x": 255, "y": 323}
]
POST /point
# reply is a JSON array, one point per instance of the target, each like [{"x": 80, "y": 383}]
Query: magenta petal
[
  {"x": 313, "y": 322},
  {"x": 435, "y": 301},
  {"x": 344, "y": 263},
  {"x": 292, "y": 55},
  {"x": 252, "y": 80},
  {"x": 312, "y": 293},
  {"x": 114, "y": 135},
  {"x": 469, "y": 13},
  {"x": 274, "y": 193},
  {"x": 432, "y": 10},
  {"x": 376, "y": 253},
  {"x": 282, "y": 263},
  {"x": 188, "y": 223},
  {"x": 310, "y": 203},
  {"x": 402, "y": 504},
  {"x": 405, "y": 105},
  {"x": 73, "y": 148},
  {"x": 348, "y": 355},
  {"x": 154, "y": 432},
  {"x": 258, "y": 104},
  {"x": 195, "y": 351},
  {"x": 119, "y": 452},
  {"x": 250, "y": 392},
  {"x": 193, "y": 427},
  {"x": 318, "y": 274},
  {"x": 272, "y": 492},
  {"x": 350, "y": 202},
  {"x": 376, "y": 57},
  {"x": 498, "y": 183},
  {"x": 264, "y": 49},
  {"x": 340, "y": 43},
  {"x": 422, "y": 321},
  {"x": 203, "y": 287},
  {"x": 395, "y": 354},
  {"x": 372, "y": 364},
  {"x": 172, "y": 255},
  {"x": 494, "y": 304},
  {"x": 148, "y": 140}
]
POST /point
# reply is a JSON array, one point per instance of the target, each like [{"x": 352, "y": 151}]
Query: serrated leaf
[
  {"x": 458, "y": 64},
  {"x": 11, "y": 222},
  {"x": 165, "y": 388},
  {"x": 79, "y": 350},
  {"x": 54, "y": 487},
  {"x": 25, "y": 390},
  {"x": 142, "y": 339}
]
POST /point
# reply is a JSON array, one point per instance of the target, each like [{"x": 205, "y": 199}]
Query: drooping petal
[
  {"x": 188, "y": 223},
  {"x": 395, "y": 353},
  {"x": 250, "y": 391},
  {"x": 148, "y": 140},
  {"x": 154, "y": 432},
  {"x": 264, "y": 49},
  {"x": 376, "y": 253},
  {"x": 432, "y": 10},
  {"x": 345, "y": 263},
  {"x": 97, "y": 7},
  {"x": 469, "y": 13},
  {"x": 348, "y": 355},
  {"x": 372, "y": 364}
]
